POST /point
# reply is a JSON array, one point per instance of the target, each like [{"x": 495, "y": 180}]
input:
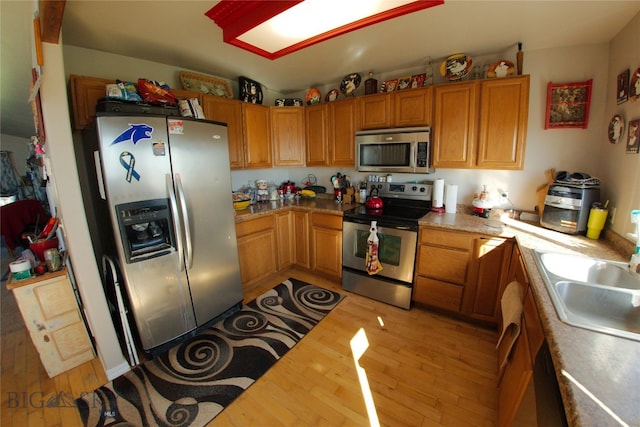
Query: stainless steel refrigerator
[{"x": 166, "y": 184}]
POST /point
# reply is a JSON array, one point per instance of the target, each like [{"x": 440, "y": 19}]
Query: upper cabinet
[
  {"x": 481, "y": 124},
  {"x": 230, "y": 112},
  {"x": 504, "y": 111},
  {"x": 343, "y": 119},
  {"x": 256, "y": 126},
  {"x": 287, "y": 136},
  {"x": 85, "y": 93},
  {"x": 454, "y": 125},
  {"x": 317, "y": 134},
  {"x": 404, "y": 108}
]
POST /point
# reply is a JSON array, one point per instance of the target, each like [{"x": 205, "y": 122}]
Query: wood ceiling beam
[{"x": 51, "y": 13}]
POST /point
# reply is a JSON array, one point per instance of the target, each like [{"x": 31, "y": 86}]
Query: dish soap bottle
[{"x": 634, "y": 262}]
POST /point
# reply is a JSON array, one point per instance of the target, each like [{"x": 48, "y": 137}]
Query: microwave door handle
[
  {"x": 177, "y": 227},
  {"x": 414, "y": 156}
]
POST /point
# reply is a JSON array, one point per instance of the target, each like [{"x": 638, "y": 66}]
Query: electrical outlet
[{"x": 612, "y": 215}]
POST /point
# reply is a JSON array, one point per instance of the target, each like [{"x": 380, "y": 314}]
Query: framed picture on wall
[
  {"x": 568, "y": 105},
  {"x": 633, "y": 142},
  {"x": 623, "y": 86}
]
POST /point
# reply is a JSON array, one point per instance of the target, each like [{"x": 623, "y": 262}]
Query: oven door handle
[{"x": 382, "y": 224}]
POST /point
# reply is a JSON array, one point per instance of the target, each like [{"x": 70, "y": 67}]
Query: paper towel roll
[
  {"x": 438, "y": 193},
  {"x": 450, "y": 198}
]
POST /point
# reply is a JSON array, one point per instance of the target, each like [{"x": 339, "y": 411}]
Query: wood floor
[{"x": 420, "y": 369}]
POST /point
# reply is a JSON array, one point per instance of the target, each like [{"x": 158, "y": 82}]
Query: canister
[
  {"x": 20, "y": 269},
  {"x": 597, "y": 218}
]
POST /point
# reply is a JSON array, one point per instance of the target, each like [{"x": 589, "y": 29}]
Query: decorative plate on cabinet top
[
  {"x": 456, "y": 66},
  {"x": 501, "y": 68},
  {"x": 350, "y": 83},
  {"x": 616, "y": 129},
  {"x": 313, "y": 96},
  {"x": 332, "y": 95}
]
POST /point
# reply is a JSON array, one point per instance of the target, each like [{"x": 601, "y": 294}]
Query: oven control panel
[{"x": 406, "y": 190}]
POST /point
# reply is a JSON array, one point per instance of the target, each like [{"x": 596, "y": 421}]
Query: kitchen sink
[{"x": 596, "y": 294}]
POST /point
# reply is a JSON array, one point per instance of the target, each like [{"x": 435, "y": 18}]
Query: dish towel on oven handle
[{"x": 371, "y": 260}]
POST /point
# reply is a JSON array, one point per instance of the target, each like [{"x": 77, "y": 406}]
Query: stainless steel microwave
[{"x": 394, "y": 150}]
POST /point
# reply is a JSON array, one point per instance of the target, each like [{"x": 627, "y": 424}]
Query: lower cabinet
[
  {"x": 257, "y": 248},
  {"x": 326, "y": 244},
  {"x": 516, "y": 378},
  {"x": 461, "y": 272},
  {"x": 52, "y": 317},
  {"x": 284, "y": 241},
  {"x": 300, "y": 231}
]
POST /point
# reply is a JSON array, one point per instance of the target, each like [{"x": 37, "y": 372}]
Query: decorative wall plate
[
  {"x": 456, "y": 66},
  {"x": 205, "y": 84},
  {"x": 332, "y": 95},
  {"x": 389, "y": 85},
  {"x": 616, "y": 129},
  {"x": 313, "y": 96},
  {"x": 350, "y": 83},
  {"x": 501, "y": 68}
]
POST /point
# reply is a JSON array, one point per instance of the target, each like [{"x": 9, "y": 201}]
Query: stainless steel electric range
[{"x": 397, "y": 228}]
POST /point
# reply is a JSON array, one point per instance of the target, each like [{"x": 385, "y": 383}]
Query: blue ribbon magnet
[{"x": 129, "y": 164}]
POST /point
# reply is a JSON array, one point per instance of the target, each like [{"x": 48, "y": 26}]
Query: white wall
[
  {"x": 565, "y": 149},
  {"x": 621, "y": 172},
  {"x": 70, "y": 208}
]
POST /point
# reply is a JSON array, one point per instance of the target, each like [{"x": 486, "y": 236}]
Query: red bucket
[{"x": 40, "y": 246}]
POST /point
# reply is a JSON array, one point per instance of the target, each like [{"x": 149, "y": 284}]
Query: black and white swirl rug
[{"x": 194, "y": 381}]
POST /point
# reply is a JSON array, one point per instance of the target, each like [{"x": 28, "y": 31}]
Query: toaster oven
[{"x": 567, "y": 207}]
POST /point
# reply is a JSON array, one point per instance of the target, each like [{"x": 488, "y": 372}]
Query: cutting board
[{"x": 541, "y": 192}]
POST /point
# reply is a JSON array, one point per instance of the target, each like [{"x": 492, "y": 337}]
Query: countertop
[{"x": 598, "y": 374}]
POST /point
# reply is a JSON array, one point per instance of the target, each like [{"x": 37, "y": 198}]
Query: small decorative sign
[
  {"x": 568, "y": 105},
  {"x": 623, "y": 87},
  {"x": 633, "y": 142}
]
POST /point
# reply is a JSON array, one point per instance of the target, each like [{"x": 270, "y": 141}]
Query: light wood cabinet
[
  {"x": 504, "y": 110},
  {"x": 481, "y": 124},
  {"x": 285, "y": 242},
  {"x": 230, "y": 112},
  {"x": 441, "y": 270},
  {"x": 326, "y": 244},
  {"x": 287, "y": 136},
  {"x": 317, "y": 134},
  {"x": 257, "y": 249},
  {"x": 343, "y": 117},
  {"x": 461, "y": 272},
  {"x": 405, "y": 108},
  {"x": 52, "y": 317},
  {"x": 488, "y": 268},
  {"x": 256, "y": 126},
  {"x": 454, "y": 125},
  {"x": 85, "y": 93},
  {"x": 300, "y": 231},
  {"x": 517, "y": 375}
]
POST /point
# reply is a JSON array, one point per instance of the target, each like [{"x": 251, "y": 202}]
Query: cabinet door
[
  {"x": 257, "y": 254},
  {"x": 343, "y": 117},
  {"x": 487, "y": 272},
  {"x": 52, "y": 317},
  {"x": 454, "y": 125},
  {"x": 446, "y": 264},
  {"x": 230, "y": 112},
  {"x": 375, "y": 111},
  {"x": 285, "y": 241},
  {"x": 517, "y": 376},
  {"x": 257, "y": 135},
  {"x": 437, "y": 293},
  {"x": 287, "y": 136},
  {"x": 504, "y": 109},
  {"x": 317, "y": 134},
  {"x": 413, "y": 107},
  {"x": 85, "y": 93},
  {"x": 301, "y": 238},
  {"x": 327, "y": 251}
]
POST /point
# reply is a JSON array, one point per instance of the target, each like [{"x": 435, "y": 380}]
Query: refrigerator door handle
[
  {"x": 177, "y": 229},
  {"x": 185, "y": 222},
  {"x": 96, "y": 159}
]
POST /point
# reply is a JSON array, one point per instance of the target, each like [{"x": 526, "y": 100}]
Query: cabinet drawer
[
  {"x": 327, "y": 221},
  {"x": 442, "y": 263},
  {"x": 438, "y": 294},
  {"x": 450, "y": 239},
  {"x": 247, "y": 227}
]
